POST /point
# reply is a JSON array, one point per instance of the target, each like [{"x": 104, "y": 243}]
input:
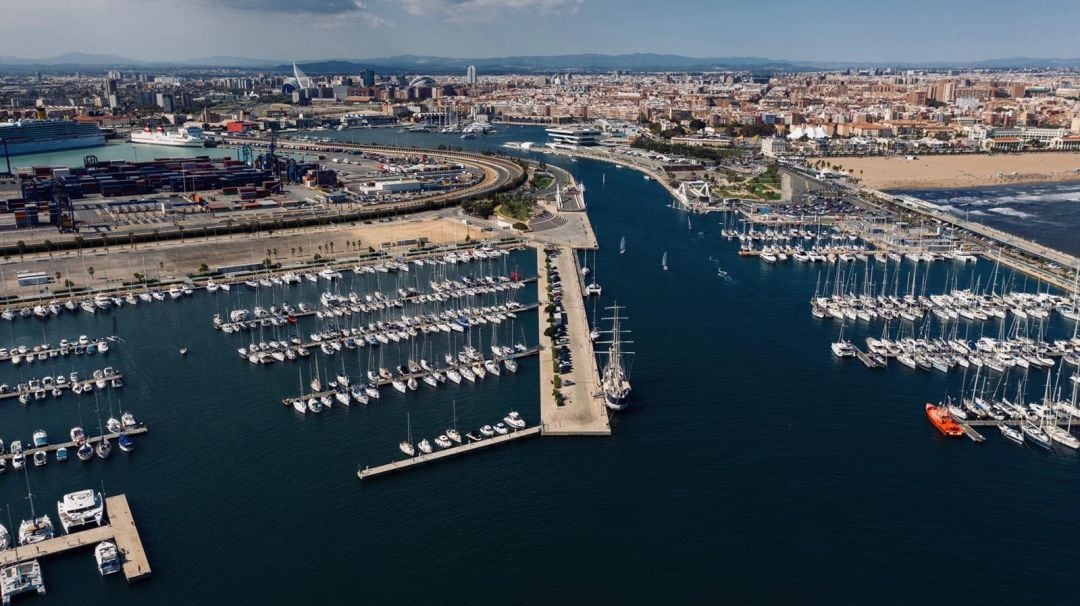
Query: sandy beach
[{"x": 972, "y": 170}]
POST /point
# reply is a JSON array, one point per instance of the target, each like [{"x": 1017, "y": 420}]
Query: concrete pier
[
  {"x": 120, "y": 529},
  {"x": 370, "y": 472},
  {"x": 582, "y": 411}
]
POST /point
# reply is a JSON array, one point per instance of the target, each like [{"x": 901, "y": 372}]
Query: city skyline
[{"x": 306, "y": 30}]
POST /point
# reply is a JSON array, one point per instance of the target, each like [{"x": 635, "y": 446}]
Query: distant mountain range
[{"x": 524, "y": 64}]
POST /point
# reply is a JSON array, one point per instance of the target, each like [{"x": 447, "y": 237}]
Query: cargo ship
[
  {"x": 185, "y": 136},
  {"x": 940, "y": 417},
  {"x": 37, "y": 136}
]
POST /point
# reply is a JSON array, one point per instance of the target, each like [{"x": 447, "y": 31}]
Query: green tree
[
  {"x": 90, "y": 270},
  {"x": 203, "y": 268}
]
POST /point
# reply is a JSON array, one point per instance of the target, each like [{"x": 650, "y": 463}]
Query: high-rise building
[
  {"x": 368, "y": 76},
  {"x": 470, "y": 75},
  {"x": 166, "y": 102},
  {"x": 110, "y": 86}
]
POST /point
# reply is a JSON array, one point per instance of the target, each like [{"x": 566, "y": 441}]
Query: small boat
[
  {"x": 108, "y": 558},
  {"x": 487, "y": 431},
  {"x": 126, "y": 443},
  {"x": 78, "y": 436},
  {"x": 40, "y": 458},
  {"x": 501, "y": 429},
  {"x": 513, "y": 419},
  {"x": 425, "y": 446},
  {"x": 183, "y": 352},
  {"x": 663, "y": 261},
  {"x": 443, "y": 441},
  {"x": 40, "y": 438},
  {"x": 85, "y": 452},
  {"x": 472, "y": 436},
  {"x": 61, "y": 454}
]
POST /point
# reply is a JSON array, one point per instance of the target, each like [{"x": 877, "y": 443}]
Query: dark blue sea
[
  {"x": 1048, "y": 213},
  {"x": 752, "y": 467}
]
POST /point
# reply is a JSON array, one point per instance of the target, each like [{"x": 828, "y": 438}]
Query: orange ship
[{"x": 941, "y": 419}]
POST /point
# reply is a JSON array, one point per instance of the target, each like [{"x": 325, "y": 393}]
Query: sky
[{"x": 299, "y": 30}]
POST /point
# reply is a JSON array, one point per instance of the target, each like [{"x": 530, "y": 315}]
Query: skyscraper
[
  {"x": 369, "y": 77},
  {"x": 470, "y": 75}
]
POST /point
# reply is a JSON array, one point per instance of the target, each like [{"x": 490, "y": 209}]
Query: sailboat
[
  {"x": 613, "y": 379},
  {"x": 407, "y": 446},
  {"x": 622, "y": 246},
  {"x": 663, "y": 261},
  {"x": 36, "y": 529},
  {"x": 452, "y": 432}
]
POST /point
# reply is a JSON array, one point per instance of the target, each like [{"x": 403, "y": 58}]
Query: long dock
[
  {"x": 120, "y": 529},
  {"x": 582, "y": 411},
  {"x": 14, "y": 393},
  {"x": 50, "y": 352},
  {"x": 370, "y": 472},
  {"x": 29, "y": 452}
]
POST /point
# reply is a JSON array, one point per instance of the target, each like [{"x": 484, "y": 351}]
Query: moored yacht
[
  {"x": 80, "y": 508},
  {"x": 107, "y": 557},
  {"x": 613, "y": 379}
]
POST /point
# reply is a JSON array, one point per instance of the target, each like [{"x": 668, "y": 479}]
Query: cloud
[
  {"x": 485, "y": 10},
  {"x": 299, "y": 7}
]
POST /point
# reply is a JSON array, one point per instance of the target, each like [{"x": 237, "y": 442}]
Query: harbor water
[{"x": 751, "y": 467}]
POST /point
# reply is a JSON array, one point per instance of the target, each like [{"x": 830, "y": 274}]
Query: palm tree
[
  {"x": 90, "y": 270},
  {"x": 22, "y": 247}
]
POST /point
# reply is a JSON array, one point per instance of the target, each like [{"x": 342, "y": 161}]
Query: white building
[
  {"x": 572, "y": 138},
  {"x": 470, "y": 75}
]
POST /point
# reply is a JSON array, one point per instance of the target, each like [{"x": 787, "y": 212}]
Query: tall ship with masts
[{"x": 614, "y": 379}]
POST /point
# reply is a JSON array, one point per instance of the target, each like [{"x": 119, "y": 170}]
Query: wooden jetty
[
  {"x": 865, "y": 358},
  {"x": 120, "y": 529},
  {"x": 29, "y": 452},
  {"x": 970, "y": 432},
  {"x": 369, "y": 472},
  {"x": 415, "y": 375}
]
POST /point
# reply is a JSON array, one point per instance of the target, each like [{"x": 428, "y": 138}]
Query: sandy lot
[
  {"x": 941, "y": 172},
  {"x": 176, "y": 259}
]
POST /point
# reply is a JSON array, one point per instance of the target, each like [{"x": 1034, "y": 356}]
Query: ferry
[
  {"x": 185, "y": 136},
  {"x": 941, "y": 419}
]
